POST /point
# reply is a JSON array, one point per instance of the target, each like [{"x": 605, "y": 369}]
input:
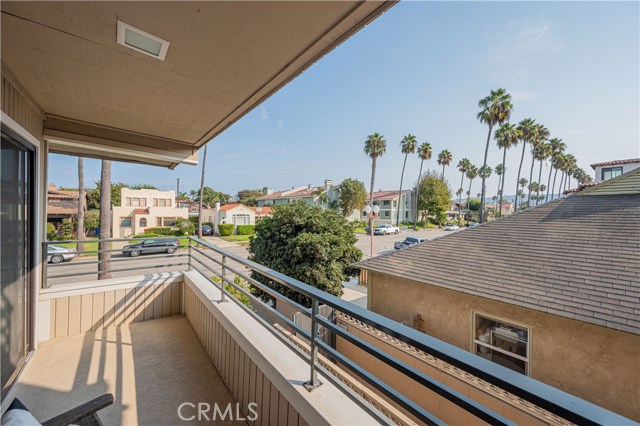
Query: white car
[
  {"x": 385, "y": 229},
  {"x": 58, "y": 254},
  {"x": 451, "y": 227}
]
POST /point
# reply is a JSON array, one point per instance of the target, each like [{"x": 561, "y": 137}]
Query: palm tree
[
  {"x": 81, "y": 204},
  {"x": 495, "y": 109},
  {"x": 463, "y": 167},
  {"x": 485, "y": 173},
  {"x": 526, "y": 130},
  {"x": 375, "y": 146},
  {"x": 499, "y": 170},
  {"x": 540, "y": 135},
  {"x": 506, "y": 137},
  {"x": 541, "y": 153},
  {"x": 408, "y": 146},
  {"x": 522, "y": 182},
  {"x": 557, "y": 163},
  {"x": 444, "y": 159},
  {"x": 556, "y": 147},
  {"x": 104, "y": 256},
  {"x": 424, "y": 152},
  {"x": 472, "y": 173},
  {"x": 204, "y": 162}
]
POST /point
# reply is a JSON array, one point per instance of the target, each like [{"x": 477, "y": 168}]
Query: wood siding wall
[
  {"x": 80, "y": 314},
  {"x": 18, "y": 105},
  {"x": 244, "y": 379}
]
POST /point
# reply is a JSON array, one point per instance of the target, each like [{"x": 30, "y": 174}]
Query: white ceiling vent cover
[{"x": 142, "y": 41}]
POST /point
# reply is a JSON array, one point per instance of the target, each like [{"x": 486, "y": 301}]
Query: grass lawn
[
  {"x": 359, "y": 230},
  {"x": 237, "y": 238}
]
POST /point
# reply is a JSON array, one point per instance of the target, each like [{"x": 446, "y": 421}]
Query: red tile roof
[
  {"x": 232, "y": 206},
  {"x": 292, "y": 193},
  {"x": 141, "y": 211},
  {"x": 386, "y": 195},
  {"x": 616, "y": 162},
  {"x": 581, "y": 187},
  {"x": 264, "y": 210}
]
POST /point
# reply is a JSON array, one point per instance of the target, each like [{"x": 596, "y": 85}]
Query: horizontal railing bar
[
  {"x": 393, "y": 394},
  {"x": 78, "y": 274},
  {"x": 116, "y": 259},
  {"x": 444, "y": 391},
  {"x": 114, "y": 240},
  {"x": 100, "y": 251}
]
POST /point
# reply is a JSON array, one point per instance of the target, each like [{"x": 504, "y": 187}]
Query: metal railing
[{"x": 211, "y": 261}]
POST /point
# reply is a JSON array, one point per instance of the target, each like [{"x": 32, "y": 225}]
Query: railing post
[
  {"x": 189, "y": 255},
  {"x": 313, "y": 356},
  {"x": 224, "y": 270}
]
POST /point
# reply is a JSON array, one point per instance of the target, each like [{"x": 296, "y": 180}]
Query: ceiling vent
[{"x": 142, "y": 41}]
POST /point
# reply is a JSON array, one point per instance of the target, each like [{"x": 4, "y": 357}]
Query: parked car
[
  {"x": 385, "y": 229},
  {"x": 473, "y": 224},
  {"x": 408, "y": 242},
  {"x": 58, "y": 254},
  {"x": 451, "y": 227},
  {"x": 206, "y": 230},
  {"x": 156, "y": 245}
]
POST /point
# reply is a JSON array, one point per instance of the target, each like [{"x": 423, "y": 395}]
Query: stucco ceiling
[{"x": 224, "y": 59}]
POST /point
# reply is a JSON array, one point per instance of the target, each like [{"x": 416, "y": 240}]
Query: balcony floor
[{"x": 150, "y": 367}]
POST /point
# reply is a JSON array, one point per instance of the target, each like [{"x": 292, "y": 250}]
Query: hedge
[
  {"x": 146, "y": 235},
  {"x": 165, "y": 230},
  {"x": 225, "y": 230},
  {"x": 246, "y": 229}
]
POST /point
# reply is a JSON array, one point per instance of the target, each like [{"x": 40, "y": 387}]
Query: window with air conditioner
[{"x": 502, "y": 342}]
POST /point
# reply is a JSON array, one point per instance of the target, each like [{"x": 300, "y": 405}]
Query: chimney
[
  {"x": 267, "y": 190},
  {"x": 328, "y": 183},
  {"x": 309, "y": 186},
  {"x": 217, "y": 205}
]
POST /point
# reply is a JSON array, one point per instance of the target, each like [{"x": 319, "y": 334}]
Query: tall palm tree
[
  {"x": 485, "y": 173},
  {"x": 495, "y": 109},
  {"x": 424, "y": 153},
  {"x": 204, "y": 162},
  {"x": 540, "y": 135},
  {"x": 556, "y": 147},
  {"x": 408, "y": 146},
  {"x": 506, "y": 137},
  {"x": 104, "y": 256},
  {"x": 472, "y": 173},
  {"x": 444, "y": 159},
  {"x": 522, "y": 182},
  {"x": 463, "y": 167},
  {"x": 541, "y": 153},
  {"x": 526, "y": 130},
  {"x": 499, "y": 170},
  {"x": 375, "y": 146},
  {"x": 81, "y": 206},
  {"x": 557, "y": 163}
]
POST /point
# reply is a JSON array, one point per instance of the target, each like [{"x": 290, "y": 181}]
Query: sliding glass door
[{"x": 16, "y": 257}]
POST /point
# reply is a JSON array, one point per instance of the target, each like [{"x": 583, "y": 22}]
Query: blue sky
[{"x": 421, "y": 68}]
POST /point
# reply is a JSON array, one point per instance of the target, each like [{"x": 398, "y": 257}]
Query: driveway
[{"x": 384, "y": 243}]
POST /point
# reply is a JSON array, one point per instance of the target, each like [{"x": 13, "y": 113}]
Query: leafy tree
[
  {"x": 353, "y": 196},
  {"x": 495, "y": 109},
  {"x": 407, "y": 146},
  {"x": 142, "y": 186},
  {"x": 51, "y": 231},
  {"x": 185, "y": 226},
  {"x": 474, "y": 205},
  {"x": 248, "y": 196},
  {"x": 91, "y": 221},
  {"x": 308, "y": 243},
  {"x": 434, "y": 196},
  {"x": 375, "y": 146},
  {"x": 210, "y": 196},
  {"x": 93, "y": 195},
  {"x": 66, "y": 229},
  {"x": 444, "y": 159},
  {"x": 424, "y": 153}
]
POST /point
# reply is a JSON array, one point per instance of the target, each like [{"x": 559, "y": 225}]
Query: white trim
[
  {"x": 21, "y": 131},
  {"x": 120, "y": 39}
]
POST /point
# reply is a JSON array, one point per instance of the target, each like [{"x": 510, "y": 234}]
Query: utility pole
[{"x": 178, "y": 188}]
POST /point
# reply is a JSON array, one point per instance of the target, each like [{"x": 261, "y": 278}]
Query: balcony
[{"x": 164, "y": 342}]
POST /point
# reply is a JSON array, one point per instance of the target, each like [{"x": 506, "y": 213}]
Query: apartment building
[
  {"x": 144, "y": 208},
  {"x": 389, "y": 203}
]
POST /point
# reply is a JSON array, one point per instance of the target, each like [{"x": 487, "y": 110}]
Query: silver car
[{"x": 58, "y": 254}]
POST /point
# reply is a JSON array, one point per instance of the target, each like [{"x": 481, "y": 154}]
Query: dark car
[
  {"x": 408, "y": 242},
  {"x": 156, "y": 245},
  {"x": 206, "y": 230}
]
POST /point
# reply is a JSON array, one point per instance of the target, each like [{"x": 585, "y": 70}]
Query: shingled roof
[{"x": 576, "y": 257}]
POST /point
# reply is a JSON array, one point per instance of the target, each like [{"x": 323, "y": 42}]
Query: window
[
  {"x": 502, "y": 342},
  {"x": 387, "y": 213},
  {"x": 162, "y": 202},
  {"x": 158, "y": 221},
  {"x": 395, "y": 203},
  {"x": 387, "y": 203},
  {"x": 364, "y": 214},
  {"x": 143, "y": 222},
  {"x": 169, "y": 221},
  {"x": 136, "y": 202},
  {"x": 125, "y": 221},
  {"x": 611, "y": 172},
  {"x": 406, "y": 215},
  {"x": 194, "y": 210},
  {"x": 241, "y": 219}
]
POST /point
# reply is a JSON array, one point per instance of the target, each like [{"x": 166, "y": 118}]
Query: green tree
[
  {"x": 463, "y": 167},
  {"x": 66, "y": 229},
  {"x": 541, "y": 153},
  {"x": 474, "y": 205},
  {"x": 93, "y": 195},
  {"x": 249, "y": 197},
  {"x": 91, "y": 221},
  {"x": 51, "y": 231},
  {"x": 210, "y": 196},
  {"x": 434, "y": 196},
  {"x": 307, "y": 243},
  {"x": 142, "y": 186},
  {"x": 444, "y": 159},
  {"x": 424, "y": 153},
  {"x": 353, "y": 196},
  {"x": 472, "y": 173},
  {"x": 407, "y": 146},
  {"x": 523, "y": 183},
  {"x": 556, "y": 147},
  {"x": 185, "y": 226},
  {"x": 495, "y": 109},
  {"x": 375, "y": 146}
]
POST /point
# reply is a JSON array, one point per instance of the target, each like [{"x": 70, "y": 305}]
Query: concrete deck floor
[{"x": 150, "y": 367}]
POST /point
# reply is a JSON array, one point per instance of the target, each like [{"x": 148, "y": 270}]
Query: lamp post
[{"x": 371, "y": 214}]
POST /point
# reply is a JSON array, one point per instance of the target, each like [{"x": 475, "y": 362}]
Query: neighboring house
[
  {"x": 314, "y": 195},
  {"x": 506, "y": 207},
  {"x": 144, "y": 208},
  {"x": 208, "y": 214},
  {"x": 262, "y": 212},
  {"x": 61, "y": 204},
  {"x": 551, "y": 292},
  {"x": 611, "y": 169},
  {"x": 235, "y": 213},
  {"x": 389, "y": 202}
]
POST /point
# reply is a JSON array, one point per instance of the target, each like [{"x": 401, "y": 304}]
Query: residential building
[
  {"x": 611, "y": 169},
  {"x": 234, "y": 213},
  {"x": 314, "y": 195},
  {"x": 389, "y": 202},
  {"x": 262, "y": 212},
  {"x": 506, "y": 207},
  {"x": 61, "y": 204},
  {"x": 208, "y": 214},
  {"x": 140, "y": 209},
  {"x": 551, "y": 292},
  {"x": 166, "y": 344}
]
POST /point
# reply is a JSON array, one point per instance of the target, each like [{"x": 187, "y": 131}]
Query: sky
[{"x": 421, "y": 68}]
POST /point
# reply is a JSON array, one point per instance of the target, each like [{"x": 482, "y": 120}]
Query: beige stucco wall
[{"x": 595, "y": 363}]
